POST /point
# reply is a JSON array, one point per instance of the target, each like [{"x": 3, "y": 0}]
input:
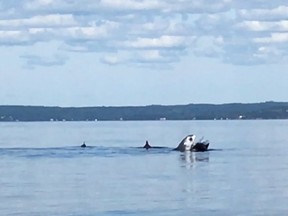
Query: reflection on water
[{"x": 189, "y": 158}]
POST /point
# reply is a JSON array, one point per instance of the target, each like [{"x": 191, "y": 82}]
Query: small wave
[{"x": 76, "y": 151}]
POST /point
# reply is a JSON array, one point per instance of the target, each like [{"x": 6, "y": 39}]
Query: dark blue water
[{"x": 43, "y": 171}]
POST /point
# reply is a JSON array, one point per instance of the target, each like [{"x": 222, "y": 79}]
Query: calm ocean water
[{"x": 45, "y": 172}]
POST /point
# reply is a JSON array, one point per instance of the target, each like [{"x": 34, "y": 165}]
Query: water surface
[{"x": 45, "y": 172}]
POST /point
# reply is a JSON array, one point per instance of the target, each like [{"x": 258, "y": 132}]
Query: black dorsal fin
[
  {"x": 147, "y": 146},
  {"x": 83, "y": 145}
]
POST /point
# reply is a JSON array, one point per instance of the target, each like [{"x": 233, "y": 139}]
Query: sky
[{"x": 142, "y": 52}]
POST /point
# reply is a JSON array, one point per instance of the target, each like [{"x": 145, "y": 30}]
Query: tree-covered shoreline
[{"x": 265, "y": 110}]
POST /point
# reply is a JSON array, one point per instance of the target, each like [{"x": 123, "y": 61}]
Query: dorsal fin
[
  {"x": 181, "y": 146},
  {"x": 83, "y": 145},
  {"x": 147, "y": 146}
]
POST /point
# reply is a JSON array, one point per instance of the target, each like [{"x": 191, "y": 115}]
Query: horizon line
[{"x": 91, "y": 106}]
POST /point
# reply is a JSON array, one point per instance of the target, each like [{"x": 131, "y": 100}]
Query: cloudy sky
[{"x": 142, "y": 52}]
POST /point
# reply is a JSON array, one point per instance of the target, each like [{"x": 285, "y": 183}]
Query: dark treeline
[{"x": 266, "y": 110}]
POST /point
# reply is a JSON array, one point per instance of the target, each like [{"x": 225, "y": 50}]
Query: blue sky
[{"x": 142, "y": 52}]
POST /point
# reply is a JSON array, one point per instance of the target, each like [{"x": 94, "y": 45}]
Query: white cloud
[
  {"x": 150, "y": 31},
  {"x": 278, "y": 13},
  {"x": 131, "y": 4},
  {"x": 165, "y": 41},
  {"x": 14, "y": 37},
  {"x": 156, "y": 56},
  {"x": 274, "y": 38},
  {"x": 208, "y": 46},
  {"x": 51, "y": 20},
  {"x": 281, "y": 25},
  {"x": 114, "y": 59}
]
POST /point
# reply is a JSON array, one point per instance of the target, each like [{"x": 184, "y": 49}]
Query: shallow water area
[{"x": 45, "y": 172}]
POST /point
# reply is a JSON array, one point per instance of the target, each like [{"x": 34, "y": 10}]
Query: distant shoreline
[{"x": 231, "y": 111}]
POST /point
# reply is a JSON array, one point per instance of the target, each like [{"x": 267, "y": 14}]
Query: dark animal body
[
  {"x": 187, "y": 144},
  {"x": 200, "y": 146},
  {"x": 148, "y": 146}
]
